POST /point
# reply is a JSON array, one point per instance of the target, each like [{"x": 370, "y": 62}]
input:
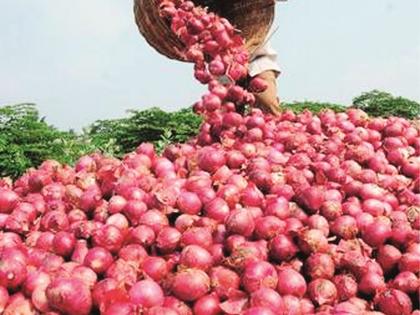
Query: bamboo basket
[{"x": 252, "y": 17}]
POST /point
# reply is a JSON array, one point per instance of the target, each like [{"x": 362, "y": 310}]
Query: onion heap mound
[{"x": 257, "y": 215}]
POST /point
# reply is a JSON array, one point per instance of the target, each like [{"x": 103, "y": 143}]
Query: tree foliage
[{"x": 378, "y": 103}]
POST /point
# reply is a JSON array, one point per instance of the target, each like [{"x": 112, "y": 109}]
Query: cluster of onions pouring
[{"x": 257, "y": 215}]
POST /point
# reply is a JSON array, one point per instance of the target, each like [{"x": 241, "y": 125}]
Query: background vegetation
[{"x": 26, "y": 139}]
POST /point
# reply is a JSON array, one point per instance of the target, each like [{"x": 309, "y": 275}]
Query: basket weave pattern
[{"x": 252, "y": 17}]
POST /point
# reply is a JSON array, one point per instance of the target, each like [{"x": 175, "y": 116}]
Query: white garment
[{"x": 263, "y": 59}]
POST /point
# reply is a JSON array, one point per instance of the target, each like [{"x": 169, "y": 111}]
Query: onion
[
  {"x": 371, "y": 283},
  {"x": 100, "y": 290},
  {"x": 394, "y": 302},
  {"x": 346, "y": 286},
  {"x": 155, "y": 268},
  {"x": 12, "y": 273},
  {"x": 388, "y": 257},
  {"x": 259, "y": 274},
  {"x": 63, "y": 243},
  {"x": 194, "y": 256},
  {"x": 190, "y": 284},
  {"x": 200, "y": 236},
  {"x": 189, "y": 203},
  {"x": 268, "y": 227},
  {"x": 168, "y": 239},
  {"x": 207, "y": 305},
  {"x": 291, "y": 282},
  {"x": 282, "y": 248},
  {"x": 120, "y": 308},
  {"x": 320, "y": 265},
  {"x": 177, "y": 305},
  {"x": 322, "y": 291},
  {"x": 240, "y": 222},
  {"x": 35, "y": 279},
  {"x": 133, "y": 253},
  {"x": 4, "y": 298},
  {"x": 142, "y": 235},
  {"x": 109, "y": 237},
  {"x": 259, "y": 311},
  {"x": 406, "y": 281},
  {"x": 224, "y": 281},
  {"x": 98, "y": 259},
  {"x": 70, "y": 296},
  {"x": 269, "y": 298},
  {"x": 146, "y": 293}
]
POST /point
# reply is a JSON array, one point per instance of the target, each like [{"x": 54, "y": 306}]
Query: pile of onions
[{"x": 294, "y": 214}]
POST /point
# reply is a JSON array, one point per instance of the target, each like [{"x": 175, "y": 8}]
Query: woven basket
[{"x": 252, "y": 17}]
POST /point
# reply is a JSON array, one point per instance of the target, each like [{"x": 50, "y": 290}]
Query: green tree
[{"x": 379, "y": 103}]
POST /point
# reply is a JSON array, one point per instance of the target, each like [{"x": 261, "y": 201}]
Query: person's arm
[{"x": 264, "y": 65}]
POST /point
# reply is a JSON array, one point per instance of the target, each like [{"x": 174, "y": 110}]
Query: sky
[{"x": 84, "y": 60}]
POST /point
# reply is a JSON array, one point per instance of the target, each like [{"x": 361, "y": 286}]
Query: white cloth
[{"x": 263, "y": 59}]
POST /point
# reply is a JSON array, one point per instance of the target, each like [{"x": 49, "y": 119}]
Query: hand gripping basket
[{"x": 252, "y": 17}]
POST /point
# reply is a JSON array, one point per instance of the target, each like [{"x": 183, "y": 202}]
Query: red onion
[
  {"x": 155, "y": 268},
  {"x": 12, "y": 273},
  {"x": 194, "y": 256},
  {"x": 312, "y": 240},
  {"x": 346, "y": 287},
  {"x": 371, "y": 283},
  {"x": 269, "y": 298},
  {"x": 200, "y": 236},
  {"x": 109, "y": 237},
  {"x": 240, "y": 222},
  {"x": 224, "y": 281},
  {"x": 98, "y": 259},
  {"x": 146, "y": 293},
  {"x": 4, "y": 298},
  {"x": 259, "y": 274},
  {"x": 63, "y": 244},
  {"x": 282, "y": 248},
  {"x": 407, "y": 282},
  {"x": 168, "y": 239},
  {"x": 409, "y": 262},
  {"x": 217, "y": 209},
  {"x": 376, "y": 233},
  {"x": 100, "y": 290},
  {"x": 322, "y": 291},
  {"x": 120, "y": 308},
  {"x": 291, "y": 282},
  {"x": 70, "y": 296},
  {"x": 268, "y": 227},
  {"x": 207, "y": 305},
  {"x": 177, "y": 305},
  {"x": 292, "y": 304},
  {"x": 320, "y": 265},
  {"x": 35, "y": 279},
  {"x": 133, "y": 253},
  {"x": 142, "y": 235},
  {"x": 388, "y": 257},
  {"x": 189, "y": 203},
  {"x": 259, "y": 311},
  {"x": 87, "y": 275},
  {"x": 394, "y": 302},
  {"x": 190, "y": 284}
]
